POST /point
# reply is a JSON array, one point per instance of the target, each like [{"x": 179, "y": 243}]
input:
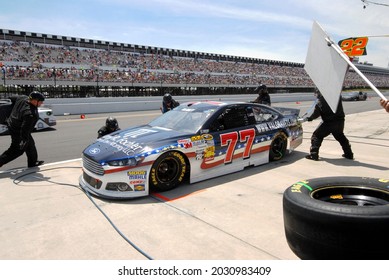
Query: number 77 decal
[{"x": 230, "y": 139}]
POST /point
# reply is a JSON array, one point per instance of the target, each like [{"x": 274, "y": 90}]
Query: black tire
[
  {"x": 168, "y": 171},
  {"x": 338, "y": 218},
  {"x": 278, "y": 146}
]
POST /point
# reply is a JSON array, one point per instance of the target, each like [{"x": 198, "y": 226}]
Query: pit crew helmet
[
  {"x": 36, "y": 95},
  {"x": 167, "y": 98},
  {"x": 261, "y": 89},
  {"x": 111, "y": 123}
]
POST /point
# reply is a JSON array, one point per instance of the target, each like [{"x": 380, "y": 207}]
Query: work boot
[
  {"x": 348, "y": 156},
  {"x": 39, "y": 162},
  {"x": 312, "y": 157}
]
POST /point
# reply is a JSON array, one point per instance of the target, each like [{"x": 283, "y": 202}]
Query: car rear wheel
[
  {"x": 168, "y": 171},
  {"x": 338, "y": 218},
  {"x": 278, "y": 146}
]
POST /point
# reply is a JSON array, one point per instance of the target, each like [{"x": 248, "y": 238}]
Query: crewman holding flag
[
  {"x": 327, "y": 64},
  {"x": 332, "y": 123}
]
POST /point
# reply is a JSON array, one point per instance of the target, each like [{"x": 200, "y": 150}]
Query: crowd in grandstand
[{"x": 30, "y": 61}]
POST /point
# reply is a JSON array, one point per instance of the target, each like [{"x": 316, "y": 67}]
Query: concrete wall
[{"x": 94, "y": 105}]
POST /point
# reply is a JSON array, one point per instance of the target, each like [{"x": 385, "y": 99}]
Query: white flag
[{"x": 325, "y": 66}]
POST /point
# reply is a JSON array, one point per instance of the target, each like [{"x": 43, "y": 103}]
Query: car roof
[
  {"x": 204, "y": 105},
  {"x": 216, "y": 104}
]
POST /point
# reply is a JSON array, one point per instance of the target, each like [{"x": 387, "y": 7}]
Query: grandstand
[{"x": 67, "y": 66}]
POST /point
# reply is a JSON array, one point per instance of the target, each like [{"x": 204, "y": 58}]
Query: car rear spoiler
[{"x": 288, "y": 111}]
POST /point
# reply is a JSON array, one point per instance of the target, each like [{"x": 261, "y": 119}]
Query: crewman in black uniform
[
  {"x": 332, "y": 123},
  {"x": 263, "y": 95},
  {"x": 168, "y": 103},
  {"x": 20, "y": 124},
  {"x": 111, "y": 125}
]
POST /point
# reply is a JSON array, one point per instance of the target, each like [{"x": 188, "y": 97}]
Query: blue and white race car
[{"x": 197, "y": 140}]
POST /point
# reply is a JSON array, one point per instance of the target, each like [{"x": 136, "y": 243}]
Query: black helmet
[
  {"x": 111, "y": 123},
  {"x": 167, "y": 98},
  {"x": 36, "y": 95},
  {"x": 261, "y": 88}
]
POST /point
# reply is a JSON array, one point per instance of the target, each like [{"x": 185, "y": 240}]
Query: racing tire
[
  {"x": 168, "y": 171},
  {"x": 278, "y": 146},
  {"x": 338, "y": 218}
]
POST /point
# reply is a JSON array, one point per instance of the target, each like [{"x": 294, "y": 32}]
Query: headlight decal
[
  {"x": 124, "y": 162},
  {"x": 133, "y": 161}
]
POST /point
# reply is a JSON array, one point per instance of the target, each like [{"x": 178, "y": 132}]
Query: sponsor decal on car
[
  {"x": 263, "y": 127},
  {"x": 121, "y": 144},
  {"x": 139, "y": 188},
  {"x": 137, "y": 175},
  {"x": 185, "y": 143},
  {"x": 94, "y": 151},
  {"x": 209, "y": 153},
  {"x": 207, "y": 137},
  {"x": 136, "y": 182}
]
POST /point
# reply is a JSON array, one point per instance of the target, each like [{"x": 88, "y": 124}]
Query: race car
[
  {"x": 46, "y": 118},
  {"x": 354, "y": 96},
  {"x": 194, "y": 142}
]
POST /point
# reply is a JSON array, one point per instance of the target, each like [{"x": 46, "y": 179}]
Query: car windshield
[{"x": 183, "y": 119}]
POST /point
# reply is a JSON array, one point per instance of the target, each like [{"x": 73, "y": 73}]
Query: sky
[{"x": 266, "y": 29}]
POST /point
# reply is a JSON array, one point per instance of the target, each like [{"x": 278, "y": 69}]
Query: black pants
[
  {"x": 14, "y": 150},
  {"x": 326, "y": 128}
]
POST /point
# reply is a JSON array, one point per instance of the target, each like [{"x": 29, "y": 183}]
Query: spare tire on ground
[{"x": 336, "y": 218}]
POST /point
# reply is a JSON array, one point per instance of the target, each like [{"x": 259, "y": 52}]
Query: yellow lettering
[
  {"x": 337, "y": 196},
  {"x": 296, "y": 188}
]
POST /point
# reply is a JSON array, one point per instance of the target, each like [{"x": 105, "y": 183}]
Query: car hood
[{"x": 135, "y": 141}]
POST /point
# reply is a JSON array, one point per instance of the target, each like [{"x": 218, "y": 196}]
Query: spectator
[
  {"x": 36, "y": 62},
  {"x": 20, "y": 124},
  {"x": 332, "y": 123},
  {"x": 111, "y": 125}
]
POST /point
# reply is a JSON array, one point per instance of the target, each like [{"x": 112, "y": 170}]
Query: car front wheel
[{"x": 168, "y": 171}]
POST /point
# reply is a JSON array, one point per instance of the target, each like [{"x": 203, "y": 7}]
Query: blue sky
[{"x": 268, "y": 29}]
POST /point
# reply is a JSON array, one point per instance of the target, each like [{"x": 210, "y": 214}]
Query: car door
[{"x": 233, "y": 133}]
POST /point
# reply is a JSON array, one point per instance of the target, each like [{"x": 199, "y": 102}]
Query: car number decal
[
  {"x": 354, "y": 46},
  {"x": 230, "y": 139}
]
